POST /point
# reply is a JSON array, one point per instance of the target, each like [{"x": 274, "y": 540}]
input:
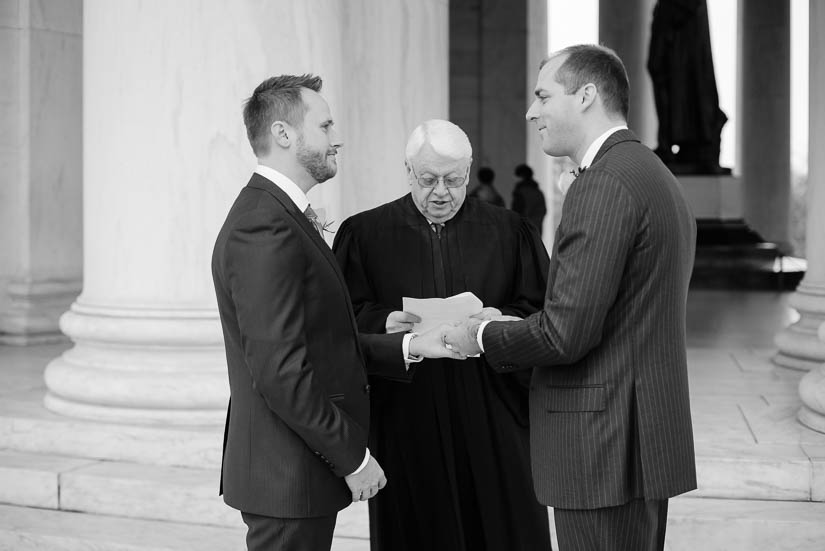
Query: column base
[
  {"x": 799, "y": 344},
  {"x": 812, "y": 393},
  {"x": 811, "y": 419},
  {"x": 34, "y": 310},
  {"x": 140, "y": 366}
]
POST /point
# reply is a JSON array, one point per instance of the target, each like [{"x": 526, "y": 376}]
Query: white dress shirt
[{"x": 286, "y": 185}]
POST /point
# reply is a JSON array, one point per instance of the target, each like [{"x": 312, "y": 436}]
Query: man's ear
[
  {"x": 587, "y": 95},
  {"x": 409, "y": 170},
  {"x": 282, "y": 134}
]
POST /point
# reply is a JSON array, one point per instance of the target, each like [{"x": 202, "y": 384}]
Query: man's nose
[
  {"x": 335, "y": 139},
  {"x": 440, "y": 186},
  {"x": 532, "y": 113}
]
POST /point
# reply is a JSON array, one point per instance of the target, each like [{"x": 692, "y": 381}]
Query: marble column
[
  {"x": 810, "y": 295},
  {"x": 537, "y": 159},
  {"x": 40, "y": 166},
  {"x": 488, "y": 71},
  {"x": 165, "y": 154},
  {"x": 625, "y": 27},
  {"x": 764, "y": 132},
  {"x": 799, "y": 345}
]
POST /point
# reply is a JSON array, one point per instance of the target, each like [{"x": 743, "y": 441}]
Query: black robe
[{"x": 454, "y": 442}]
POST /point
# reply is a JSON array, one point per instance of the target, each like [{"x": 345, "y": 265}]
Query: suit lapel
[{"x": 259, "y": 182}]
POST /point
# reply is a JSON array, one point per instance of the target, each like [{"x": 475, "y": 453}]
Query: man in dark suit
[
  {"x": 295, "y": 446},
  {"x": 611, "y": 437}
]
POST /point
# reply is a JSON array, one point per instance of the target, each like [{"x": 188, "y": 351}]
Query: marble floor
[{"x": 749, "y": 445}]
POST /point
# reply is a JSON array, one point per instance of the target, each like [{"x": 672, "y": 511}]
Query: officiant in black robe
[{"x": 453, "y": 442}]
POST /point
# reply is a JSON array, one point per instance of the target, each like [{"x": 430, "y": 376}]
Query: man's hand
[
  {"x": 487, "y": 313},
  {"x": 400, "y": 322},
  {"x": 432, "y": 345},
  {"x": 367, "y": 482},
  {"x": 462, "y": 337}
]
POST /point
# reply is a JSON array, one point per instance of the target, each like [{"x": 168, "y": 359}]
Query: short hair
[
  {"x": 444, "y": 137},
  {"x": 524, "y": 171},
  {"x": 486, "y": 175},
  {"x": 600, "y": 65},
  {"x": 276, "y": 99}
]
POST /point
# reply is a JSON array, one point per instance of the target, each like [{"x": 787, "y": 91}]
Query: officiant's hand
[
  {"x": 461, "y": 338},
  {"x": 401, "y": 322},
  {"x": 432, "y": 345},
  {"x": 487, "y": 313}
]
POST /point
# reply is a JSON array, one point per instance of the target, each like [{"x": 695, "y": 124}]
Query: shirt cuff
[
  {"x": 405, "y": 350},
  {"x": 363, "y": 463},
  {"x": 480, "y": 331}
]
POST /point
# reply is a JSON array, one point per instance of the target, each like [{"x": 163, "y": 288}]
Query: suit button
[{"x": 366, "y": 389}]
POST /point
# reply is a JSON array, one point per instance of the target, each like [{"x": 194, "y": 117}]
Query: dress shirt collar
[
  {"x": 590, "y": 154},
  {"x": 287, "y": 186}
]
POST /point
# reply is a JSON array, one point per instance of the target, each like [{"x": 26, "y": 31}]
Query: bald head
[{"x": 439, "y": 137}]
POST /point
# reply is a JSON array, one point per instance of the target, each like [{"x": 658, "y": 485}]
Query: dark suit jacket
[
  {"x": 609, "y": 409},
  {"x": 299, "y": 411}
]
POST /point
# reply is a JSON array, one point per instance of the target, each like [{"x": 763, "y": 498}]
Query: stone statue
[{"x": 684, "y": 87}]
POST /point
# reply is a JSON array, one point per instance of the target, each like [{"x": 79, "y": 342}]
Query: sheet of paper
[{"x": 435, "y": 311}]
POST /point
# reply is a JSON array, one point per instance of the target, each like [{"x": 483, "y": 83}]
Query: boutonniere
[{"x": 324, "y": 224}]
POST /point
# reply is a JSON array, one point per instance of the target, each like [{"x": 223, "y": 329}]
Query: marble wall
[{"x": 40, "y": 165}]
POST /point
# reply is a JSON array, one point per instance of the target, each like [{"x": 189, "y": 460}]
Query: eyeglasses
[{"x": 430, "y": 182}]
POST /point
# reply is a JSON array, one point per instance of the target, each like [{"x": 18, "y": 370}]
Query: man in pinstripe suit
[{"x": 611, "y": 437}]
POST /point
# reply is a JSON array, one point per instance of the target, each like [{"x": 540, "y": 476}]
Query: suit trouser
[
  {"x": 288, "y": 534},
  {"x": 638, "y": 525}
]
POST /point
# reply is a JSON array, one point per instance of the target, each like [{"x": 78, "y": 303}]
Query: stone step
[
  {"x": 28, "y": 529},
  {"x": 732, "y": 470},
  {"x": 694, "y": 523},
  {"x": 131, "y": 490},
  {"x": 25, "y": 425},
  {"x": 744, "y": 525}
]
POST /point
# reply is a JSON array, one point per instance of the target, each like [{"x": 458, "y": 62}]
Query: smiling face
[
  {"x": 556, "y": 113},
  {"x": 318, "y": 142},
  {"x": 438, "y": 203}
]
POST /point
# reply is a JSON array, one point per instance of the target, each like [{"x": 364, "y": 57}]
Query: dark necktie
[{"x": 312, "y": 216}]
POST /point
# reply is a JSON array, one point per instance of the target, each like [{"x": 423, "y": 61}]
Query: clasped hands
[{"x": 456, "y": 340}]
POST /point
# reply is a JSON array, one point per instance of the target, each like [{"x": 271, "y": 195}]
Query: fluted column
[
  {"x": 165, "y": 154},
  {"x": 799, "y": 346},
  {"x": 811, "y": 292},
  {"x": 40, "y": 167},
  {"x": 625, "y": 27},
  {"x": 764, "y": 132}
]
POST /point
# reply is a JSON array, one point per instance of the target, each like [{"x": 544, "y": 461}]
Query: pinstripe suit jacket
[
  {"x": 299, "y": 411},
  {"x": 609, "y": 409}
]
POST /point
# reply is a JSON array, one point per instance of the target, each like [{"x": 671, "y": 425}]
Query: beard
[{"x": 316, "y": 162}]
